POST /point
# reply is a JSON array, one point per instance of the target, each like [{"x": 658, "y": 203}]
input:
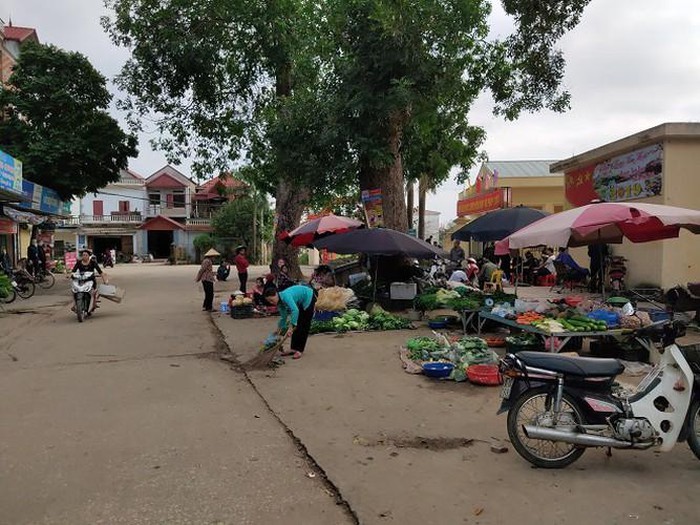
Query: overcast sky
[{"x": 631, "y": 64}]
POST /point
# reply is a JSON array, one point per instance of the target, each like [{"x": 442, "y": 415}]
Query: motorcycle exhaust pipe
[{"x": 576, "y": 438}]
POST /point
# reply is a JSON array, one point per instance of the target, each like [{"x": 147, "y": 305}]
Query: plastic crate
[
  {"x": 242, "y": 312},
  {"x": 403, "y": 291},
  {"x": 657, "y": 315},
  {"x": 325, "y": 316}
]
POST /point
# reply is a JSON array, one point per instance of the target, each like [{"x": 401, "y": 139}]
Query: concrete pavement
[{"x": 131, "y": 417}]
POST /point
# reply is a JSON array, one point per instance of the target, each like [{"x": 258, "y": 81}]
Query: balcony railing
[
  {"x": 195, "y": 221},
  {"x": 119, "y": 218},
  {"x": 152, "y": 210}
]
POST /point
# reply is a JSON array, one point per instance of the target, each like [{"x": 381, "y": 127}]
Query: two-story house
[
  {"x": 156, "y": 215},
  {"x": 108, "y": 219}
]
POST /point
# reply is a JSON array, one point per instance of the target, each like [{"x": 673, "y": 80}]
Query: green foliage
[
  {"x": 204, "y": 242},
  {"x": 234, "y": 221},
  {"x": 57, "y": 122}
]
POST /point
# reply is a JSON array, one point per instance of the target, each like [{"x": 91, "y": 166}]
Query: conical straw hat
[{"x": 211, "y": 253}]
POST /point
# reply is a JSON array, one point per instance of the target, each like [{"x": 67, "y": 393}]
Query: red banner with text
[{"x": 491, "y": 200}]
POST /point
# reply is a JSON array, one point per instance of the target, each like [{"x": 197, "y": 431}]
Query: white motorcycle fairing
[{"x": 664, "y": 396}]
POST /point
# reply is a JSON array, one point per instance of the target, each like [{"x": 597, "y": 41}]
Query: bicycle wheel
[
  {"x": 26, "y": 289},
  {"x": 46, "y": 280}
]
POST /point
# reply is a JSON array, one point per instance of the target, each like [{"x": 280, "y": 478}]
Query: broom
[{"x": 265, "y": 355}]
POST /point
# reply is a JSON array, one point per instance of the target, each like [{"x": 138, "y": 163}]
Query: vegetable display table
[
  {"x": 469, "y": 319},
  {"x": 557, "y": 340}
]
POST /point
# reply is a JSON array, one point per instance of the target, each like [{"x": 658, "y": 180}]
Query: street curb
[{"x": 236, "y": 365}]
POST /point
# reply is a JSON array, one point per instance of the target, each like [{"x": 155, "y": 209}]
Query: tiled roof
[
  {"x": 20, "y": 34},
  {"x": 227, "y": 182},
  {"x": 521, "y": 168}
]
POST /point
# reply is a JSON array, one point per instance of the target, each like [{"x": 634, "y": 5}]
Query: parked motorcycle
[
  {"x": 82, "y": 287},
  {"x": 559, "y": 406}
]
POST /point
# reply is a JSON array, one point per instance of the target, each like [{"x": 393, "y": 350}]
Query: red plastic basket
[{"x": 484, "y": 374}]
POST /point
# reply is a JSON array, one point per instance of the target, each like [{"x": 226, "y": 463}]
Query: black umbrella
[
  {"x": 379, "y": 241},
  {"x": 498, "y": 224}
]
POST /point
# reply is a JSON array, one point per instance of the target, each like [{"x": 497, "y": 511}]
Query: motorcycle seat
[{"x": 574, "y": 366}]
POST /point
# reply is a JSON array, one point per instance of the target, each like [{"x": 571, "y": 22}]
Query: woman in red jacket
[{"x": 242, "y": 264}]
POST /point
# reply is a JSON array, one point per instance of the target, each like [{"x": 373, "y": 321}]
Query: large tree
[
  {"x": 56, "y": 122},
  {"x": 220, "y": 77},
  {"x": 398, "y": 55}
]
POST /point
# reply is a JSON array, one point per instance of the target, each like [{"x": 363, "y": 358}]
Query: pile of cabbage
[{"x": 356, "y": 321}]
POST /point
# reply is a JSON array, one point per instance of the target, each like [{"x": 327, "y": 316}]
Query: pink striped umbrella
[
  {"x": 319, "y": 228},
  {"x": 605, "y": 222}
]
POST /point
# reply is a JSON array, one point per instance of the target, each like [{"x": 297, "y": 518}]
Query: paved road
[{"x": 130, "y": 418}]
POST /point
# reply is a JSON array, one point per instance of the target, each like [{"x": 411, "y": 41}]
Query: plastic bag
[{"x": 334, "y": 299}]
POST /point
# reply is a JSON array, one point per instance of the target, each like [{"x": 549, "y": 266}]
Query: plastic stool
[
  {"x": 547, "y": 280},
  {"x": 496, "y": 282}
]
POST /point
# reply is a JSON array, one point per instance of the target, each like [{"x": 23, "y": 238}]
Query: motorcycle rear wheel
[
  {"x": 694, "y": 428},
  {"x": 26, "y": 289},
  {"x": 541, "y": 453}
]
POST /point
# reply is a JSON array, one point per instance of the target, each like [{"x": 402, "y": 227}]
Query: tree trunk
[
  {"x": 290, "y": 201},
  {"x": 410, "y": 198},
  {"x": 389, "y": 179},
  {"x": 422, "y": 191},
  {"x": 289, "y": 206}
]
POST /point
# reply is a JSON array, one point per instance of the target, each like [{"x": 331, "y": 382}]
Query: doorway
[{"x": 159, "y": 243}]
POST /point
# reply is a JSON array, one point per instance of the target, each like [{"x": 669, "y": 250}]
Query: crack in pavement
[{"x": 234, "y": 364}]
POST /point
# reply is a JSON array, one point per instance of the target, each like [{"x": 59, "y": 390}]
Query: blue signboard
[
  {"x": 50, "y": 202},
  {"x": 10, "y": 173}
]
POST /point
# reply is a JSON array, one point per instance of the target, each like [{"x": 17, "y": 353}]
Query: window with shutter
[
  {"x": 169, "y": 200},
  {"x": 98, "y": 208}
]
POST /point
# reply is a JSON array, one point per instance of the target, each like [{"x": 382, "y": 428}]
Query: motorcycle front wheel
[
  {"x": 694, "y": 428},
  {"x": 531, "y": 408},
  {"x": 80, "y": 308}
]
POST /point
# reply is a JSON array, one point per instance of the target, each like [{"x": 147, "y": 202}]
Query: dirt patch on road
[{"x": 423, "y": 443}]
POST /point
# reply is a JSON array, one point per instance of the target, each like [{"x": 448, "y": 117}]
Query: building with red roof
[{"x": 12, "y": 39}]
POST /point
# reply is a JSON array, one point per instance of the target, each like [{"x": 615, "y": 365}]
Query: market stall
[{"x": 555, "y": 330}]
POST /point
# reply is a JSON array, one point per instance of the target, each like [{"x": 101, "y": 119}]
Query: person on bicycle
[{"x": 87, "y": 263}]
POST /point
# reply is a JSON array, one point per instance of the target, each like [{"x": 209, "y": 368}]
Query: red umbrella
[{"x": 319, "y": 228}]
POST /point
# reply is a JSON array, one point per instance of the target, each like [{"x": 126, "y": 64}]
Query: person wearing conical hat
[{"x": 206, "y": 276}]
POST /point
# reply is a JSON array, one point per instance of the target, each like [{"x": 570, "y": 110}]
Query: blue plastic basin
[{"x": 438, "y": 369}]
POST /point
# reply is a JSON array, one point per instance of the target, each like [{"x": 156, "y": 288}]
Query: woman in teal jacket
[{"x": 296, "y": 303}]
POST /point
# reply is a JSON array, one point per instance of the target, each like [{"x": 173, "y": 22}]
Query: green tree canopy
[{"x": 57, "y": 122}]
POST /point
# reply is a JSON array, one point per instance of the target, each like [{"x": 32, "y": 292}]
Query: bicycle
[{"x": 44, "y": 279}]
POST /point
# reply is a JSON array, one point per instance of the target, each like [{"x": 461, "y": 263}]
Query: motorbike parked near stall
[
  {"x": 559, "y": 406},
  {"x": 82, "y": 287}
]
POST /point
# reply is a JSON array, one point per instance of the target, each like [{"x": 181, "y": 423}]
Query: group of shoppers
[{"x": 529, "y": 268}]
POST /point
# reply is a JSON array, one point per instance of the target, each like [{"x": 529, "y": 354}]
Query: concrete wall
[
  {"x": 136, "y": 195},
  {"x": 674, "y": 261},
  {"x": 545, "y": 193}
]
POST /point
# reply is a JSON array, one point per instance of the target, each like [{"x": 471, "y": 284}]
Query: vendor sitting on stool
[{"x": 574, "y": 271}]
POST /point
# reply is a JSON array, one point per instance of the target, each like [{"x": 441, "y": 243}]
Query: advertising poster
[
  {"x": 10, "y": 173},
  {"x": 372, "y": 202},
  {"x": 634, "y": 175},
  {"x": 69, "y": 259}
]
